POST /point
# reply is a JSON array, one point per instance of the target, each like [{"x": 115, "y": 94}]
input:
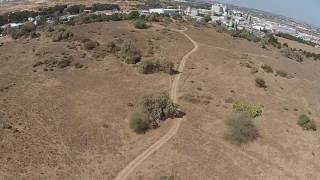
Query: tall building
[{"x": 218, "y": 9}]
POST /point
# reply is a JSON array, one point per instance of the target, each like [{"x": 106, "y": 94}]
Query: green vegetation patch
[
  {"x": 253, "y": 111},
  {"x": 306, "y": 123}
]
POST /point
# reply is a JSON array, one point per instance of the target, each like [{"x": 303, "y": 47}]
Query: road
[{"x": 174, "y": 129}]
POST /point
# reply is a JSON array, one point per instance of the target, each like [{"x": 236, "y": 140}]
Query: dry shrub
[
  {"x": 129, "y": 53},
  {"x": 240, "y": 129},
  {"x": 139, "y": 123},
  {"x": 260, "y": 83},
  {"x": 267, "y": 68}
]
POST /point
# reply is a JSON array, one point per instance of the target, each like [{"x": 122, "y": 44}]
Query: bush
[
  {"x": 240, "y": 129},
  {"x": 267, "y": 68},
  {"x": 167, "y": 178},
  {"x": 140, "y": 24},
  {"x": 149, "y": 67},
  {"x": 260, "y": 83},
  {"x": 139, "y": 123},
  {"x": 289, "y": 53},
  {"x": 129, "y": 53},
  {"x": 281, "y": 73},
  {"x": 246, "y": 35},
  {"x": 159, "y": 107},
  {"x": 89, "y": 44},
  {"x": 253, "y": 111},
  {"x": 62, "y": 35},
  {"x": 306, "y": 123},
  {"x": 167, "y": 67}
]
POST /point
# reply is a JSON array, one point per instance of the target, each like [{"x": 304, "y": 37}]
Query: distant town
[{"x": 232, "y": 19}]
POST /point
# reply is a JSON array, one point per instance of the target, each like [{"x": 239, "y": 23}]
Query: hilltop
[{"x": 70, "y": 92}]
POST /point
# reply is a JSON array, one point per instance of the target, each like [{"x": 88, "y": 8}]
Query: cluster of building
[
  {"x": 232, "y": 19},
  {"x": 238, "y": 20}
]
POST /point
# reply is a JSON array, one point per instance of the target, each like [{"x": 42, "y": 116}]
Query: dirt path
[{"x": 174, "y": 91}]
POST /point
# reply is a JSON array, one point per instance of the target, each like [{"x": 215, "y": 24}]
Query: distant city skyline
[{"x": 307, "y": 11}]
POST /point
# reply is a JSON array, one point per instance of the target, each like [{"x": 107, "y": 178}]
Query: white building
[
  {"x": 218, "y": 9},
  {"x": 165, "y": 11}
]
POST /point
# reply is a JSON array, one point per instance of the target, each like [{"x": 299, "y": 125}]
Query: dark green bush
[
  {"x": 139, "y": 123},
  {"x": 261, "y": 83},
  {"x": 240, "y": 129},
  {"x": 306, "y": 123}
]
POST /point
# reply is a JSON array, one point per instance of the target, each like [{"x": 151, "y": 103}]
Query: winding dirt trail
[{"x": 174, "y": 91}]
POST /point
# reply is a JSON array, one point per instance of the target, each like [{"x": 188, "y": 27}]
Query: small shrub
[
  {"x": 62, "y": 35},
  {"x": 148, "y": 67},
  {"x": 260, "y": 83},
  {"x": 167, "y": 67},
  {"x": 252, "y": 110},
  {"x": 89, "y": 44},
  {"x": 289, "y": 53},
  {"x": 129, "y": 53},
  {"x": 254, "y": 70},
  {"x": 139, "y": 123},
  {"x": 240, "y": 129},
  {"x": 267, "y": 68},
  {"x": 167, "y": 178},
  {"x": 281, "y": 73},
  {"x": 306, "y": 123},
  {"x": 140, "y": 24},
  {"x": 64, "y": 63}
]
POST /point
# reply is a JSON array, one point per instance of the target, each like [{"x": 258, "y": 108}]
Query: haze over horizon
[{"x": 307, "y": 11}]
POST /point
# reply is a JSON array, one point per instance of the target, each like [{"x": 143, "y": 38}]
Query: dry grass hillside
[
  {"x": 67, "y": 123},
  {"x": 71, "y": 120},
  {"x": 213, "y": 78}
]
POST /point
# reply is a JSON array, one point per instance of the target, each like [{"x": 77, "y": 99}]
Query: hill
[{"x": 66, "y": 100}]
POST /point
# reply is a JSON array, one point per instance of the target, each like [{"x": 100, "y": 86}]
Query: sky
[{"x": 304, "y": 10}]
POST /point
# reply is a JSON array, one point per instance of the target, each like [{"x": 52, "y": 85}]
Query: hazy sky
[{"x": 305, "y": 10}]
